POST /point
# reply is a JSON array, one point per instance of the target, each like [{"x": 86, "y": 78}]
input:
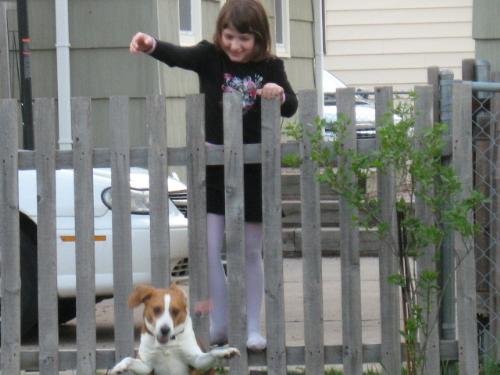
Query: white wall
[{"x": 392, "y": 42}]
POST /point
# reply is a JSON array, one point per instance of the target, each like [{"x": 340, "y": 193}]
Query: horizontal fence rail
[{"x": 314, "y": 355}]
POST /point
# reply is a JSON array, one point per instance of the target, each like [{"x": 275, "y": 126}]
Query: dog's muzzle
[{"x": 164, "y": 335}]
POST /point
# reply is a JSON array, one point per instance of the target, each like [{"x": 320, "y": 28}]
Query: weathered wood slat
[
  {"x": 235, "y": 233},
  {"x": 349, "y": 251},
  {"x": 388, "y": 260},
  {"x": 295, "y": 356},
  {"x": 158, "y": 191},
  {"x": 272, "y": 244},
  {"x": 176, "y": 155},
  {"x": 465, "y": 266},
  {"x": 81, "y": 129},
  {"x": 9, "y": 238},
  {"x": 197, "y": 215},
  {"x": 311, "y": 242},
  {"x": 122, "y": 250},
  {"x": 427, "y": 260},
  {"x": 45, "y": 141}
]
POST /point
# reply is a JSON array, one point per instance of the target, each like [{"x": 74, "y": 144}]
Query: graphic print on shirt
[{"x": 247, "y": 86}]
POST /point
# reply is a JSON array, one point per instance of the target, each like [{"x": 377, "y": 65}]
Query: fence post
[
  {"x": 84, "y": 229},
  {"x": 312, "y": 281},
  {"x": 9, "y": 239},
  {"x": 271, "y": 238},
  {"x": 465, "y": 264},
  {"x": 433, "y": 80},
  {"x": 482, "y": 147},
  {"x": 197, "y": 215},
  {"x": 122, "y": 249},
  {"x": 426, "y": 260},
  {"x": 45, "y": 136},
  {"x": 447, "y": 264},
  {"x": 390, "y": 350},
  {"x": 235, "y": 233},
  {"x": 494, "y": 297},
  {"x": 349, "y": 252},
  {"x": 158, "y": 191}
]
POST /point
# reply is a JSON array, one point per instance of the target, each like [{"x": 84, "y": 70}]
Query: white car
[
  {"x": 66, "y": 279},
  {"x": 365, "y": 110}
]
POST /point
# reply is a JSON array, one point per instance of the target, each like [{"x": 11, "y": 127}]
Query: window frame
[
  {"x": 193, "y": 36},
  {"x": 283, "y": 49}
]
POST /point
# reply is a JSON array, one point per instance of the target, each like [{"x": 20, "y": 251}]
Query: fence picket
[
  {"x": 390, "y": 349},
  {"x": 158, "y": 191},
  {"x": 312, "y": 276},
  {"x": 426, "y": 262},
  {"x": 465, "y": 269},
  {"x": 84, "y": 228},
  {"x": 45, "y": 141},
  {"x": 272, "y": 244},
  {"x": 122, "y": 250},
  {"x": 9, "y": 239},
  {"x": 235, "y": 231},
  {"x": 349, "y": 253},
  {"x": 197, "y": 215}
]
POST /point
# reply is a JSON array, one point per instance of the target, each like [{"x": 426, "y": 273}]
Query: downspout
[
  {"x": 318, "y": 52},
  {"x": 63, "y": 75}
]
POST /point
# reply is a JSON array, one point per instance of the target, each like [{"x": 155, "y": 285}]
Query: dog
[{"x": 168, "y": 344}]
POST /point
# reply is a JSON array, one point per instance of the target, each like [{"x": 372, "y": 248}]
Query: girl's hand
[
  {"x": 272, "y": 90},
  {"x": 142, "y": 42}
]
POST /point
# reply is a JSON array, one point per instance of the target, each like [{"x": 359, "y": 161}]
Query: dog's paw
[
  {"x": 227, "y": 352},
  {"x": 120, "y": 367}
]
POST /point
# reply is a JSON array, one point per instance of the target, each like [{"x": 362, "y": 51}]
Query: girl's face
[{"x": 239, "y": 47}]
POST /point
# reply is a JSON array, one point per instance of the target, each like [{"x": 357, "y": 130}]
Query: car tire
[
  {"x": 29, "y": 282},
  {"x": 67, "y": 309},
  {"x": 29, "y": 279}
]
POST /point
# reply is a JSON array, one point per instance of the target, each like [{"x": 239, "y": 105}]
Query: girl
[{"x": 240, "y": 60}]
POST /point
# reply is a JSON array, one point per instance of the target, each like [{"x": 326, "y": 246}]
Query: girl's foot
[{"x": 256, "y": 342}]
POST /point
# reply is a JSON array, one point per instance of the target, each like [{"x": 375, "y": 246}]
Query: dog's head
[{"x": 165, "y": 310}]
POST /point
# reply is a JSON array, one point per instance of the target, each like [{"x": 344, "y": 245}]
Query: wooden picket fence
[{"x": 314, "y": 355}]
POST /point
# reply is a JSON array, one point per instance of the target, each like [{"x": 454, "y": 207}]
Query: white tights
[{"x": 218, "y": 282}]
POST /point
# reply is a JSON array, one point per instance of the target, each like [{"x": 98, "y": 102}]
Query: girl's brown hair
[{"x": 247, "y": 17}]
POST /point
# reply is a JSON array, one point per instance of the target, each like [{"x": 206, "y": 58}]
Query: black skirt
[{"x": 253, "y": 191}]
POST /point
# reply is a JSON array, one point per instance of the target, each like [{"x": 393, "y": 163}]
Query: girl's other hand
[
  {"x": 142, "y": 42},
  {"x": 272, "y": 90}
]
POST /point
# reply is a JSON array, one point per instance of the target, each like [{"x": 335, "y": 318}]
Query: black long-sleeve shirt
[{"x": 217, "y": 74}]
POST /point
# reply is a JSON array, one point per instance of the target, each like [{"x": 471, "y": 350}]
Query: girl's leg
[
  {"x": 217, "y": 280},
  {"x": 255, "y": 284}
]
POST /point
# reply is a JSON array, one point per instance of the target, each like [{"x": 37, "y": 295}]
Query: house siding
[{"x": 392, "y": 42}]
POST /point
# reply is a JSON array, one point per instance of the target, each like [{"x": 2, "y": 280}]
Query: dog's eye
[
  {"x": 157, "y": 310},
  {"x": 174, "y": 312}
]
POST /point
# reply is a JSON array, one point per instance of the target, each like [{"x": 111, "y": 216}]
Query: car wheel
[
  {"x": 29, "y": 280},
  {"x": 67, "y": 309}
]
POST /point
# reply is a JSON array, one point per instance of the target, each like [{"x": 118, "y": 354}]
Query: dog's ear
[{"x": 140, "y": 294}]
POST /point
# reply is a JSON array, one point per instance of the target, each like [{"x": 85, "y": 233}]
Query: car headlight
[{"x": 139, "y": 200}]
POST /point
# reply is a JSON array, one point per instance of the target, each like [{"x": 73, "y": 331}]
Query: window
[
  {"x": 282, "y": 27},
  {"x": 189, "y": 21}
]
